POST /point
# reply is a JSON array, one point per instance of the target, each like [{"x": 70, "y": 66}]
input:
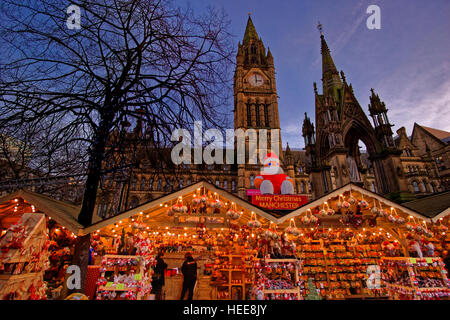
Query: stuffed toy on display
[
  {"x": 272, "y": 180},
  {"x": 415, "y": 247}
]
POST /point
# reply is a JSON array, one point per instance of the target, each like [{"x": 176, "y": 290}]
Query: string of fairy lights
[{"x": 306, "y": 218}]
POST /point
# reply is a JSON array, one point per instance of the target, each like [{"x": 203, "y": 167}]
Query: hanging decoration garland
[
  {"x": 375, "y": 209},
  {"x": 313, "y": 219},
  {"x": 344, "y": 204},
  {"x": 363, "y": 203},
  {"x": 351, "y": 199},
  {"x": 330, "y": 211},
  {"x": 196, "y": 200},
  {"x": 214, "y": 202},
  {"x": 292, "y": 229},
  {"x": 253, "y": 222},
  {"x": 233, "y": 213},
  {"x": 178, "y": 207}
]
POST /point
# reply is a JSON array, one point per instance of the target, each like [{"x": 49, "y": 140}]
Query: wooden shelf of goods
[
  {"x": 296, "y": 289},
  {"x": 339, "y": 266},
  {"x": 142, "y": 276},
  {"x": 414, "y": 267},
  {"x": 24, "y": 267},
  {"x": 237, "y": 276}
]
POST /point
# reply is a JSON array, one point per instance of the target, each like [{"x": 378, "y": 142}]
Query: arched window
[
  {"x": 257, "y": 115},
  {"x": 168, "y": 185},
  {"x": 217, "y": 183},
  {"x": 433, "y": 188},
  {"x": 300, "y": 169},
  {"x": 266, "y": 115},
  {"x": 415, "y": 186},
  {"x": 252, "y": 181},
  {"x": 143, "y": 181},
  {"x": 133, "y": 184},
  {"x": 302, "y": 187},
  {"x": 425, "y": 186},
  {"x": 249, "y": 115},
  {"x": 372, "y": 187},
  {"x": 225, "y": 184},
  {"x": 159, "y": 186},
  {"x": 180, "y": 183},
  {"x": 233, "y": 185},
  {"x": 101, "y": 210},
  {"x": 150, "y": 185}
]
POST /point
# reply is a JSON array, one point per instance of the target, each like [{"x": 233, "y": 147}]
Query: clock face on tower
[{"x": 256, "y": 79}]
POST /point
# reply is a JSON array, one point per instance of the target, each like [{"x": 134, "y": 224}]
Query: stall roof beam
[{"x": 351, "y": 187}]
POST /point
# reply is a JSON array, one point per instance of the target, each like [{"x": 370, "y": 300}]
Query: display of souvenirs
[
  {"x": 125, "y": 277},
  {"x": 278, "y": 279},
  {"x": 415, "y": 278},
  {"x": 24, "y": 258}
]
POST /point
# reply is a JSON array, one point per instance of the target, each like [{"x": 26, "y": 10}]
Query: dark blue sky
[{"x": 406, "y": 62}]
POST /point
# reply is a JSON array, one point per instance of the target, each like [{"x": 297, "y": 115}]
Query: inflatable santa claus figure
[{"x": 272, "y": 180}]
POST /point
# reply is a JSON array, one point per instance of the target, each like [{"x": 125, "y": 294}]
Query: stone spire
[
  {"x": 330, "y": 74},
  {"x": 250, "y": 31}
]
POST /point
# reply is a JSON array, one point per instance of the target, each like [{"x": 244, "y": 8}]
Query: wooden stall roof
[
  {"x": 369, "y": 196},
  {"x": 158, "y": 214},
  {"x": 63, "y": 213},
  {"x": 435, "y": 206},
  {"x": 66, "y": 214}
]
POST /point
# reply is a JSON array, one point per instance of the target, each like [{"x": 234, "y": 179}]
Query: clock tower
[
  {"x": 255, "y": 94},
  {"x": 255, "y": 100}
]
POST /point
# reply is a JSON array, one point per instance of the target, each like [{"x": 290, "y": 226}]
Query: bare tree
[{"x": 131, "y": 59}]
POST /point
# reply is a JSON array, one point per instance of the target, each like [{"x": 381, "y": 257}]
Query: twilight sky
[{"x": 407, "y": 62}]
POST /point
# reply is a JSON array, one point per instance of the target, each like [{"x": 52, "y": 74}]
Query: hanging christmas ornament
[
  {"x": 196, "y": 200},
  {"x": 339, "y": 204},
  {"x": 351, "y": 199},
  {"x": 292, "y": 229},
  {"x": 330, "y": 211},
  {"x": 253, "y": 222},
  {"x": 305, "y": 219},
  {"x": 323, "y": 212},
  {"x": 429, "y": 234},
  {"x": 375, "y": 209},
  {"x": 419, "y": 229},
  {"x": 363, "y": 203},
  {"x": 391, "y": 218},
  {"x": 382, "y": 213},
  {"x": 314, "y": 219},
  {"x": 400, "y": 220},
  {"x": 345, "y": 204},
  {"x": 233, "y": 213},
  {"x": 179, "y": 207},
  {"x": 409, "y": 226}
]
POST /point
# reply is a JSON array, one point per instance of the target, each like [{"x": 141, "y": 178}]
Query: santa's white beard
[{"x": 272, "y": 170}]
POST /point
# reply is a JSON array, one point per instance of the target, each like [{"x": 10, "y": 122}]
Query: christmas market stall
[
  {"x": 246, "y": 252},
  {"x": 37, "y": 238},
  {"x": 346, "y": 235},
  {"x": 350, "y": 244},
  {"x": 220, "y": 230}
]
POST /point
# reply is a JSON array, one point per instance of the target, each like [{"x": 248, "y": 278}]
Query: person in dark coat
[
  {"x": 158, "y": 280},
  {"x": 189, "y": 271}
]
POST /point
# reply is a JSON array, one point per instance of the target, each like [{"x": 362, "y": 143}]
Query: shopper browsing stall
[
  {"x": 158, "y": 277},
  {"x": 189, "y": 271}
]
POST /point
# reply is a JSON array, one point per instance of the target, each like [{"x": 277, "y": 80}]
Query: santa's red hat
[{"x": 271, "y": 156}]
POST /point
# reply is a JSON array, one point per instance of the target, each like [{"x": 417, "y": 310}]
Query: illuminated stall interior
[
  {"x": 25, "y": 240},
  {"x": 337, "y": 237},
  {"x": 326, "y": 247}
]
